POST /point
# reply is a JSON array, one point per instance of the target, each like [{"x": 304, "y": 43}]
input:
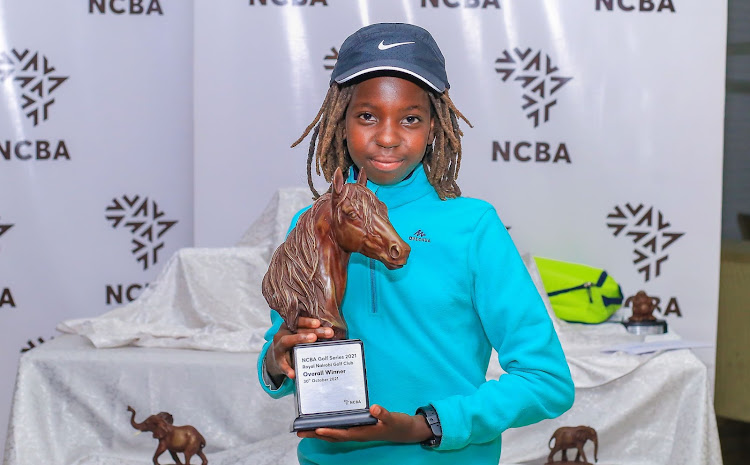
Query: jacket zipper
[
  {"x": 372, "y": 274},
  {"x": 372, "y": 286}
]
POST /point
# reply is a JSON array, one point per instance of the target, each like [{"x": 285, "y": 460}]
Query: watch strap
[{"x": 433, "y": 421}]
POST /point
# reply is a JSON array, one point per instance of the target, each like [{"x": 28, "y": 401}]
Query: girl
[{"x": 429, "y": 327}]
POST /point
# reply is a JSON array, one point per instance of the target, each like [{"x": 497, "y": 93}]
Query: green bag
[{"x": 579, "y": 293}]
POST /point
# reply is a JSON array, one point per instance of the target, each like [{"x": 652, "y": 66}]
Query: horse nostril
[{"x": 395, "y": 251}]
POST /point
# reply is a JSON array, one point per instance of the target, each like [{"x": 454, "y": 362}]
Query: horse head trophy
[{"x": 307, "y": 273}]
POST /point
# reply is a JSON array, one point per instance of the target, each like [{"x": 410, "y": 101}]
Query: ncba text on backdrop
[
  {"x": 121, "y": 7},
  {"x": 37, "y": 150}
]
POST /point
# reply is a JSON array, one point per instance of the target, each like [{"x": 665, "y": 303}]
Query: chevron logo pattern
[
  {"x": 538, "y": 77},
  {"x": 650, "y": 233},
  {"x": 36, "y": 79},
  {"x": 30, "y": 344},
  {"x": 146, "y": 223},
  {"x": 330, "y": 60},
  {"x": 4, "y": 228}
]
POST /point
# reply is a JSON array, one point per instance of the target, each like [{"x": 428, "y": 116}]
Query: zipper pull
[{"x": 587, "y": 286}]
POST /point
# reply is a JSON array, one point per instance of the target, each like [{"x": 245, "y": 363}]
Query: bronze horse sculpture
[
  {"x": 185, "y": 439},
  {"x": 307, "y": 273}
]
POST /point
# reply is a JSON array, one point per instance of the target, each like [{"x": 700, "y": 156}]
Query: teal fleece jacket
[{"x": 429, "y": 328}]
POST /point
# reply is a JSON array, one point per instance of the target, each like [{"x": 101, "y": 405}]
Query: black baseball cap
[{"x": 392, "y": 47}]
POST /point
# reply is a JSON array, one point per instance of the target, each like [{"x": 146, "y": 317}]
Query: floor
[{"x": 735, "y": 441}]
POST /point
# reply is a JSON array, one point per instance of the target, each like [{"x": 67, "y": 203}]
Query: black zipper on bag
[
  {"x": 587, "y": 285},
  {"x": 607, "y": 301}
]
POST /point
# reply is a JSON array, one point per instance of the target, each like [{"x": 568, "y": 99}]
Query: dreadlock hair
[{"x": 441, "y": 161}]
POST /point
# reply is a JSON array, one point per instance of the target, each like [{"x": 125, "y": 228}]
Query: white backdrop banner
[
  {"x": 598, "y": 137},
  {"x": 95, "y": 160},
  {"x": 598, "y": 125}
]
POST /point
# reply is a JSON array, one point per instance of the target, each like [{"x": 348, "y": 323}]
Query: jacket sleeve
[
  {"x": 286, "y": 387},
  {"x": 537, "y": 383}
]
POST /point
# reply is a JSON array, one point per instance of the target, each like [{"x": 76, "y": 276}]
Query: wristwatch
[{"x": 430, "y": 414}]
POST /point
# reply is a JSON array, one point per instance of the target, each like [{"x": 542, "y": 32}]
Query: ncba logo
[
  {"x": 537, "y": 76},
  {"x": 289, "y": 2},
  {"x": 34, "y": 150},
  {"x": 121, "y": 7},
  {"x": 6, "y": 297},
  {"x": 36, "y": 78},
  {"x": 145, "y": 222},
  {"x": 121, "y": 293},
  {"x": 525, "y": 151},
  {"x": 636, "y": 5},
  {"x": 463, "y": 3},
  {"x": 651, "y": 235}
]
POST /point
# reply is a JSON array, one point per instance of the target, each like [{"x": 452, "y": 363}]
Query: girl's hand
[
  {"x": 391, "y": 426},
  {"x": 279, "y": 355}
]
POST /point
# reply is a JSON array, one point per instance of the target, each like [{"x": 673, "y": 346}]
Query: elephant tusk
[{"x": 137, "y": 433}]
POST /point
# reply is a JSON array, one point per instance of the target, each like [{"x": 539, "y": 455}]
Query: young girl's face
[{"x": 388, "y": 126}]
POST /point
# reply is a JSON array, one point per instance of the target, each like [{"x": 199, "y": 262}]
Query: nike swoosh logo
[{"x": 383, "y": 46}]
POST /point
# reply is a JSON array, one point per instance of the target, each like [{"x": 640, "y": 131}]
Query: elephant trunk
[{"x": 138, "y": 426}]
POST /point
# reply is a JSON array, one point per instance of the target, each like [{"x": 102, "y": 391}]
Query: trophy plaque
[
  {"x": 643, "y": 321},
  {"x": 307, "y": 277},
  {"x": 331, "y": 388}
]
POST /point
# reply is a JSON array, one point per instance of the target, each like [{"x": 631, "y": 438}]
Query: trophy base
[
  {"x": 646, "y": 327},
  {"x": 333, "y": 420}
]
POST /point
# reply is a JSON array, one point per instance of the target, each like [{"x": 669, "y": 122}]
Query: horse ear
[
  {"x": 362, "y": 177},
  {"x": 338, "y": 181}
]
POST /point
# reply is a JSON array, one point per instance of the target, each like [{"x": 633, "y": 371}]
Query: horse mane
[
  {"x": 363, "y": 201},
  {"x": 294, "y": 284}
]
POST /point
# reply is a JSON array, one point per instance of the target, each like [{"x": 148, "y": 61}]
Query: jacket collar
[{"x": 408, "y": 190}]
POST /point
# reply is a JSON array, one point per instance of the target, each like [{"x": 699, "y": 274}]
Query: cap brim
[{"x": 421, "y": 75}]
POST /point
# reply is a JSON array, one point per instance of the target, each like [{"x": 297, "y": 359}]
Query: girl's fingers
[
  {"x": 379, "y": 412},
  {"x": 291, "y": 340},
  {"x": 305, "y": 322},
  {"x": 322, "y": 332}
]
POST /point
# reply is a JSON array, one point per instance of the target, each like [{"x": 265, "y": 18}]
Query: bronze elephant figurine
[
  {"x": 643, "y": 306},
  {"x": 185, "y": 439},
  {"x": 569, "y": 437}
]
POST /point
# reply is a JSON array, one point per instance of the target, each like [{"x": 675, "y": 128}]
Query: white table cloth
[
  {"x": 71, "y": 396},
  {"x": 71, "y": 399}
]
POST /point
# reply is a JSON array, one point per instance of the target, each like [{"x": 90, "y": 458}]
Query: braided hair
[{"x": 441, "y": 161}]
